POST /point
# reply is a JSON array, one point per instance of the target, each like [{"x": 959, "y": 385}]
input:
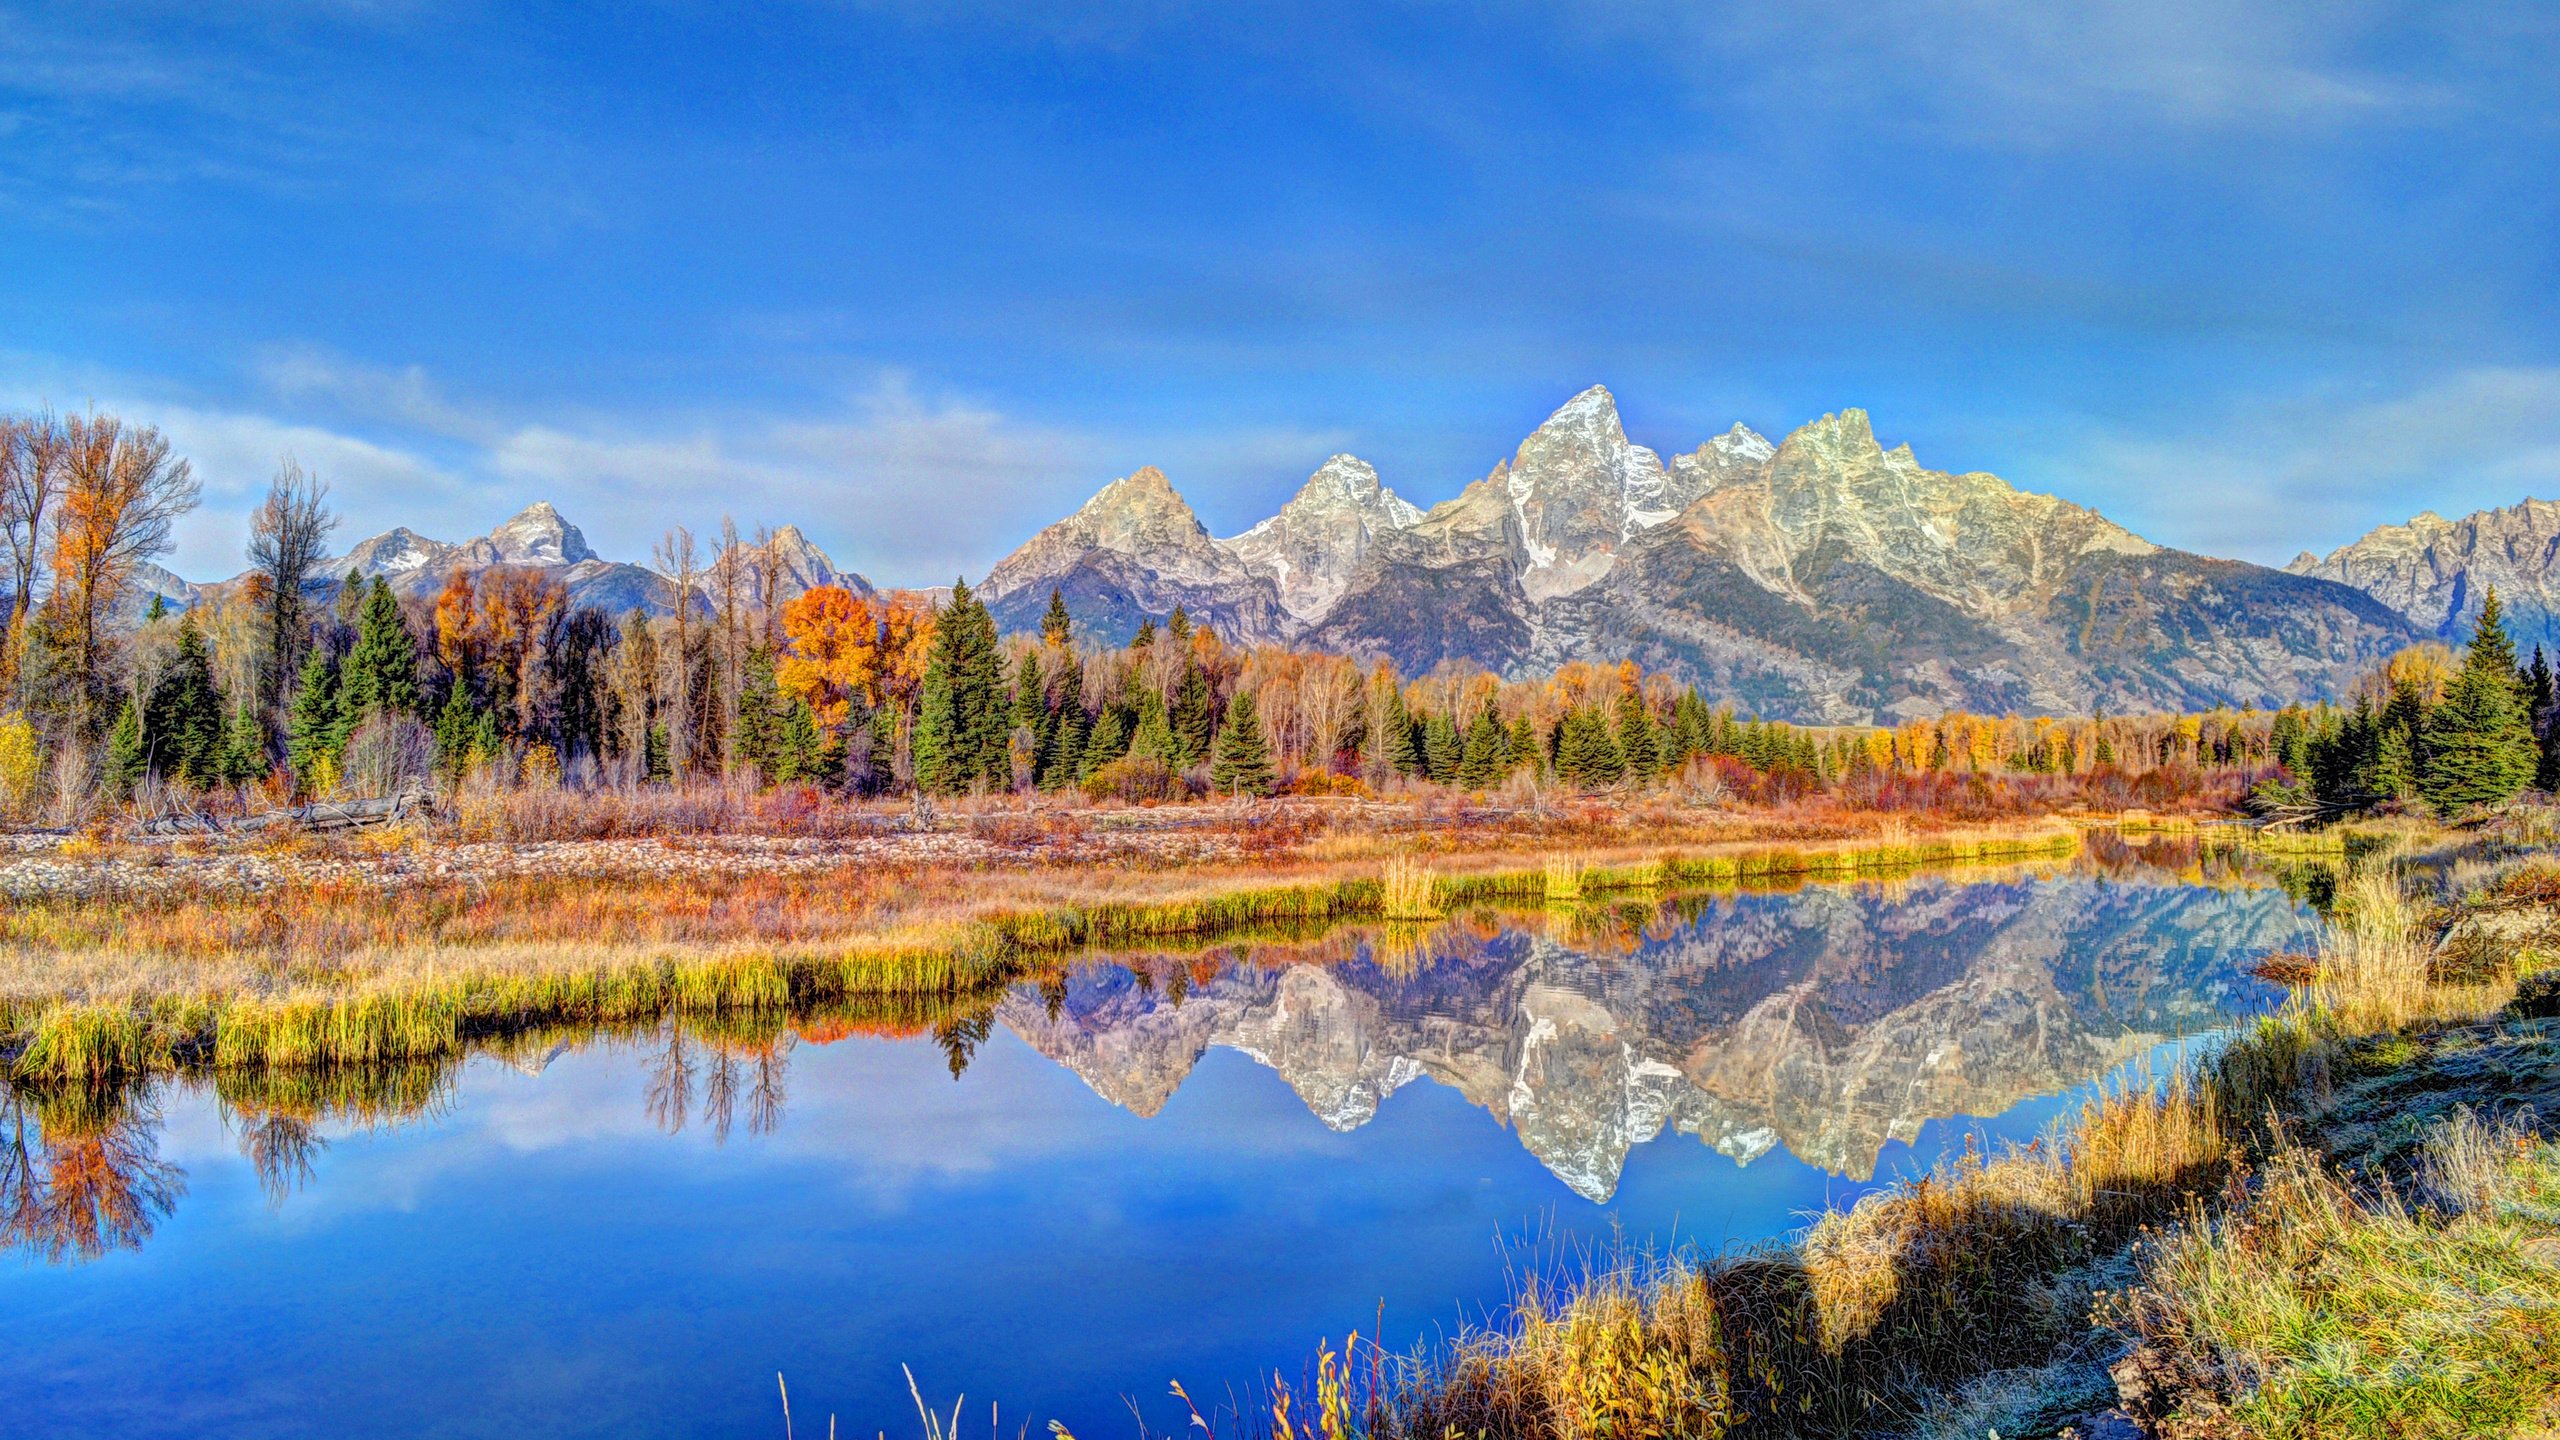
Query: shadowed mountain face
[
  {"x": 1829, "y": 1021},
  {"x": 1822, "y": 578}
]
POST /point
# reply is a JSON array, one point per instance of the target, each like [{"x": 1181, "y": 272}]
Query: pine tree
[
  {"x": 796, "y": 752},
  {"x": 756, "y": 736},
  {"x": 1636, "y": 741},
  {"x": 2479, "y": 749},
  {"x": 1061, "y": 766},
  {"x": 312, "y": 727},
  {"x": 1152, "y": 736},
  {"x": 1108, "y": 742},
  {"x": 1179, "y": 626},
  {"x": 1440, "y": 746},
  {"x": 1055, "y": 626},
  {"x": 1523, "y": 748},
  {"x": 1145, "y": 639},
  {"x": 182, "y": 716},
  {"x": 2395, "y": 767},
  {"x": 127, "y": 762},
  {"x": 657, "y": 753},
  {"x": 1586, "y": 752},
  {"x": 963, "y": 724},
  {"x": 381, "y": 673},
  {"x": 1242, "y": 764},
  {"x": 1480, "y": 762},
  {"x": 456, "y": 723},
  {"x": 244, "y": 745},
  {"x": 1194, "y": 715},
  {"x": 938, "y": 768}
]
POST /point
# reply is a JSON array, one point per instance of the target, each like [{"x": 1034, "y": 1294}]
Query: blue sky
[{"x": 920, "y": 277}]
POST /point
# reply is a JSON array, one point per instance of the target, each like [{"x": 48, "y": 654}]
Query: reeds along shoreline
[
  {"x": 360, "y": 1019},
  {"x": 1884, "y": 1316}
]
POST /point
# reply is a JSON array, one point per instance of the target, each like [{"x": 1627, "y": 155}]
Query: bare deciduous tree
[
  {"x": 31, "y": 456},
  {"x": 676, "y": 559},
  {"x": 285, "y": 540}
]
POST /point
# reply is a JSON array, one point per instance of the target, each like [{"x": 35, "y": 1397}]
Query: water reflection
[
  {"x": 1830, "y": 1021},
  {"x": 1827, "y": 1020}
]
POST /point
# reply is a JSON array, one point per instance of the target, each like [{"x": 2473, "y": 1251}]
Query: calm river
[{"x": 1168, "y": 1167}]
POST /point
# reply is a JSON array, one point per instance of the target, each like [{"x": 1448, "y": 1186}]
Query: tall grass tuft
[{"x": 1409, "y": 890}]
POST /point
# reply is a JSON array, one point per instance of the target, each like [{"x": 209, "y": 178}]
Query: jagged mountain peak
[
  {"x": 1743, "y": 443},
  {"x": 539, "y": 535},
  {"x": 1310, "y": 550}
]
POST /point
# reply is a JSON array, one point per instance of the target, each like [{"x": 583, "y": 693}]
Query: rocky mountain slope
[
  {"x": 1830, "y": 1022},
  {"x": 1821, "y": 578},
  {"x": 2435, "y": 571}
]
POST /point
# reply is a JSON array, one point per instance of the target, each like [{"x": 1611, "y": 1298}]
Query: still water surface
[{"x": 1183, "y": 1167}]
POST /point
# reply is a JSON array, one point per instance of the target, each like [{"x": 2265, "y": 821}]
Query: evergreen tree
[
  {"x": 938, "y": 738},
  {"x": 1055, "y": 626},
  {"x": 1063, "y": 765},
  {"x": 1586, "y": 752},
  {"x": 1440, "y": 749},
  {"x": 1145, "y": 639},
  {"x": 1636, "y": 740},
  {"x": 312, "y": 727},
  {"x": 2287, "y": 740},
  {"x": 1152, "y": 736},
  {"x": 756, "y": 737},
  {"x": 2540, "y": 695},
  {"x": 2479, "y": 749},
  {"x": 1397, "y": 743},
  {"x": 381, "y": 672},
  {"x": 1194, "y": 715},
  {"x": 244, "y": 745},
  {"x": 1108, "y": 742},
  {"x": 1523, "y": 748},
  {"x": 1179, "y": 627},
  {"x": 1242, "y": 763},
  {"x": 456, "y": 724},
  {"x": 182, "y": 716},
  {"x": 963, "y": 726},
  {"x": 1480, "y": 761},
  {"x": 796, "y": 752},
  {"x": 657, "y": 753},
  {"x": 127, "y": 762},
  {"x": 2395, "y": 766}
]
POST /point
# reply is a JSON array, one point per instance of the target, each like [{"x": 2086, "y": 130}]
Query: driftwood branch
[{"x": 323, "y": 815}]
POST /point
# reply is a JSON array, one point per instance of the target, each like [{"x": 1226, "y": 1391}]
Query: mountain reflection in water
[{"x": 1828, "y": 1020}]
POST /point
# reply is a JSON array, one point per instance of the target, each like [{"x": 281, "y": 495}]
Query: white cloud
[{"x": 907, "y": 486}]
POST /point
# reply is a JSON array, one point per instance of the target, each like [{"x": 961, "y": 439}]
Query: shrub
[{"x": 1134, "y": 778}]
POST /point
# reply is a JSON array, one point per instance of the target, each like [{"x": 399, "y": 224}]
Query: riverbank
[
  {"x": 2344, "y": 1222},
  {"x": 396, "y": 946}
]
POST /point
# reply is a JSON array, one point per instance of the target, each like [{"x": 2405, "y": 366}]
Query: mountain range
[
  {"x": 540, "y": 539},
  {"x": 1820, "y": 577}
]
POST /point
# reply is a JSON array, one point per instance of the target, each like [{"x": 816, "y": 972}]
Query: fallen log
[{"x": 319, "y": 815}]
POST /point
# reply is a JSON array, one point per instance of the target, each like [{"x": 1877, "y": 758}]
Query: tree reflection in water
[{"x": 80, "y": 1171}]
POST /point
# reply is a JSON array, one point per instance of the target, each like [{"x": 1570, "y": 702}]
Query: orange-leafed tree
[
  {"x": 122, "y": 491},
  {"x": 834, "y": 651},
  {"x": 458, "y": 635}
]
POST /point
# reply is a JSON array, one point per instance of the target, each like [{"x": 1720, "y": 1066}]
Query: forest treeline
[{"x": 294, "y": 682}]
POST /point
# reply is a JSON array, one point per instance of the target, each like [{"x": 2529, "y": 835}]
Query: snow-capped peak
[
  {"x": 1744, "y": 444},
  {"x": 539, "y": 536}
]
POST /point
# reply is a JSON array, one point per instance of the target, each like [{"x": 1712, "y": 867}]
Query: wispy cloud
[{"x": 894, "y": 478}]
